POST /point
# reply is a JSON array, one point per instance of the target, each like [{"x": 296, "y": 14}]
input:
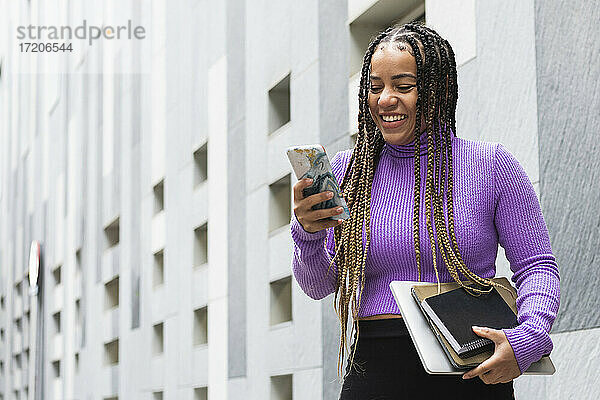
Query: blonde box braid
[{"x": 437, "y": 98}]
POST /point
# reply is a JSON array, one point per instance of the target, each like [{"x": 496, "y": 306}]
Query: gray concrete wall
[{"x": 568, "y": 76}]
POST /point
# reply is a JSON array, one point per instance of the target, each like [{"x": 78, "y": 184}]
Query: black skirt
[{"x": 387, "y": 367}]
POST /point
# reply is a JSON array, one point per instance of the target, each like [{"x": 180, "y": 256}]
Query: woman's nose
[{"x": 387, "y": 99}]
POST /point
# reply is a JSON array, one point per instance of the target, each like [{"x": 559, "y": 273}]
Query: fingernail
[{"x": 309, "y": 180}]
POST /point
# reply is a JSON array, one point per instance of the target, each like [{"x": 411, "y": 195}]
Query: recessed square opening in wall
[
  {"x": 78, "y": 263},
  {"x": 280, "y": 203},
  {"x": 111, "y": 234},
  {"x": 378, "y": 17},
  {"x": 111, "y": 290},
  {"x": 78, "y": 311},
  {"x": 157, "y": 396},
  {"x": 201, "y": 393},
  {"x": 111, "y": 352},
  {"x": 76, "y": 362},
  {"x": 279, "y": 104},
  {"x": 281, "y": 387},
  {"x": 18, "y": 293},
  {"x": 354, "y": 138},
  {"x": 201, "y": 164},
  {"x": 281, "y": 300},
  {"x": 200, "y": 333},
  {"x": 56, "y": 368},
  {"x": 159, "y": 268},
  {"x": 201, "y": 245},
  {"x": 56, "y": 322},
  {"x": 421, "y": 17},
  {"x": 158, "y": 339},
  {"x": 159, "y": 196},
  {"x": 56, "y": 275}
]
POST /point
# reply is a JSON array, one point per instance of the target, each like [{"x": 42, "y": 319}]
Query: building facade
[{"x": 152, "y": 171}]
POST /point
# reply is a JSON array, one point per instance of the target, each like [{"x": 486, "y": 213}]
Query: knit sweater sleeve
[
  {"x": 523, "y": 234},
  {"x": 313, "y": 252}
]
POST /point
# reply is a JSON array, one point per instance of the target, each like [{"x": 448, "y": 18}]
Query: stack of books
[{"x": 453, "y": 312}]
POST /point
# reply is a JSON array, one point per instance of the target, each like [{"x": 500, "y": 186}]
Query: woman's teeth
[{"x": 391, "y": 118}]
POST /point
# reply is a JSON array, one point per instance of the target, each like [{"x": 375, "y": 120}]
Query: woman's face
[{"x": 393, "y": 94}]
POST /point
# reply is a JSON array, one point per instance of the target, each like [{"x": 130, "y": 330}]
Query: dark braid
[
  {"x": 437, "y": 98},
  {"x": 348, "y": 237},
  {"x": 417, "y": 188}
]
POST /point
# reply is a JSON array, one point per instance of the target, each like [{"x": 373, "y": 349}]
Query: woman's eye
[{"x": 402, "y": 88}]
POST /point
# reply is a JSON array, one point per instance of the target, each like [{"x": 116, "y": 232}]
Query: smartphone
[{"x": 311, "y": 161}]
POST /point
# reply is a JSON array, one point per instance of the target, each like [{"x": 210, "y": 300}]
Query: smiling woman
[
  {"x": 392, "y": 95},
  {"x": 407, "y": 102}
]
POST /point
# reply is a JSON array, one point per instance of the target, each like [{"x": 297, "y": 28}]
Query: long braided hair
[{"x": 437, "y": 96}]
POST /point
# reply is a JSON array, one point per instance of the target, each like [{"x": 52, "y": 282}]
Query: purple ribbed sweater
[{"x": 494, "y": 203}]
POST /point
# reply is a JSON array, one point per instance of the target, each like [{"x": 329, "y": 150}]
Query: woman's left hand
[{"x": 502, "y": 366}]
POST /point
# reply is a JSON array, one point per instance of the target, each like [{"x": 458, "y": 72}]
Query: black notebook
[{"x": 455, "y": 311}]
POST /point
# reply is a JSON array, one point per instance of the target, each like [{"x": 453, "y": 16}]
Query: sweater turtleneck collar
[{"x": 408, "y": 150}]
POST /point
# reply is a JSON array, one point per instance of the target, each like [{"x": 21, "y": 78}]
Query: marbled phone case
[{"x": 311, "y": 161}]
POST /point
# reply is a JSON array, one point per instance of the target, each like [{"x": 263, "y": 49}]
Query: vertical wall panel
[
  {"x": 236, "y": 182},
  {"x": 333, "y": 133},
  {"x": 568, "y": 76}
]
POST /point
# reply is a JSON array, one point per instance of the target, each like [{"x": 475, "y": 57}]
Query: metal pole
[{"x": 36, "y": 329}]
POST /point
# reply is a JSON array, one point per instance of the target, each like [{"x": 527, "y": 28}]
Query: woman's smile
[{"x": 393, "y": 121}]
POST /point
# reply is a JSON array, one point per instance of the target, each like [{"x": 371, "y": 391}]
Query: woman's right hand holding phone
[{"x": 313, "y": 220}]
